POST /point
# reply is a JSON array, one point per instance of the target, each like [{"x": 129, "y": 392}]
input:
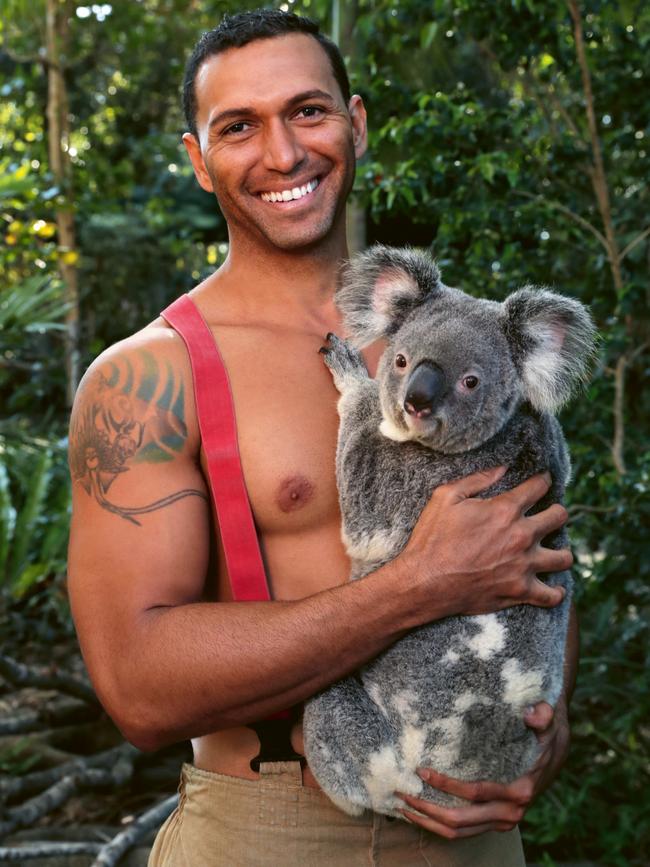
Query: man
[{"x": 274, "y": 134}]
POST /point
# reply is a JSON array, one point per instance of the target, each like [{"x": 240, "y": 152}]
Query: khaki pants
[{"x": 278, "y": 822}]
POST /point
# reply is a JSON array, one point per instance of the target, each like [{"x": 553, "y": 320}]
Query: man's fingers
[
  {"x": 530, "y": 492},
  {"x": 481, "y": 790},
  {"x": 548, "y": 521},
  {"x": 552, "y": 560},
  {"x": 539, "y": 717},
  {"x": 474, "y": 484},
  {"x": 543, "y": 596},
  {"x": 463, "y": 817}
]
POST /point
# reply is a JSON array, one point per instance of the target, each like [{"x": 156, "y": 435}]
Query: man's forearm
[{"x": 192, "y": 669}]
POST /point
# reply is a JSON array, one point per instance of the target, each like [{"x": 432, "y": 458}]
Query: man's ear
[
  {"x": 379, "y": 289},
  {"x": 553, "y": 340},
  {"x": 359, "y": 125},
  {"x": 193, "y": 149}
]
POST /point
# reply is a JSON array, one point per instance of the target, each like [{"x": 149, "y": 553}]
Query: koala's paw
[{"x": 344, "y": 361}]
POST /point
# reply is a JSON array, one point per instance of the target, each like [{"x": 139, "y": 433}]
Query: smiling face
[{"x": 276, "y": 142}]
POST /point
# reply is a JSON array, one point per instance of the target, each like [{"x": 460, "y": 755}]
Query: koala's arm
[{"x": 358, "y": 407}]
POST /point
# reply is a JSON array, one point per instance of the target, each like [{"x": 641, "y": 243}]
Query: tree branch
[
  {"x": 27, "y": 784},
  {"x": 599, "y": 178},
  {"x": 50, "y": 714},
  {"x": 644, "y": 234},
  {"x": 110, "y": 854},
  {"x": 558, "y": 206},
  {"x": 25, "y": 58},
  {"x": 42, "y": 678},
  {"x": 61, "y": 791},
  {"x": 619, "y": 417},
  {"x": 31, "y": 851}
]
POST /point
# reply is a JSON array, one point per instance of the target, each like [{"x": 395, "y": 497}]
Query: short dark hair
[{"x": 238, "y": 30}]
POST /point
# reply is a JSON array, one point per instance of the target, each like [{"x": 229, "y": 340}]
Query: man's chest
[{"x": 285, "y": 408}]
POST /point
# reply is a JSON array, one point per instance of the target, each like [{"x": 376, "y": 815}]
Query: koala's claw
[{"x": 344, "y": 361}]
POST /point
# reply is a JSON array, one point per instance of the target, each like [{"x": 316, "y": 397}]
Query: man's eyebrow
[
  {"x": 247, "y": 111},
  {"x": 310, "y": 94}
]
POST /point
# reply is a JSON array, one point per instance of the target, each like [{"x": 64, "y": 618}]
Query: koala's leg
[
  {"x": 347, "y": 743},
  {"x": 345, "y": 362}
]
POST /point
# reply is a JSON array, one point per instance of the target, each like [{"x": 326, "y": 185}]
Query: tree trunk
[
  {"x": 601, "y": 192},
  {"x": 344, "y": 16},
  {"x": 57, "y": 31}
]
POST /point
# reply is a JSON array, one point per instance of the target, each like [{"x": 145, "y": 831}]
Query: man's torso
[{"x": 285, "y": 408}]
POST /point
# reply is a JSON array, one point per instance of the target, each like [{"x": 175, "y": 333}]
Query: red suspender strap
[{"x": 216, "y": 416}]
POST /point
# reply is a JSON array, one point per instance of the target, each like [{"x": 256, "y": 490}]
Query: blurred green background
[{"x": 510, "y": 138}]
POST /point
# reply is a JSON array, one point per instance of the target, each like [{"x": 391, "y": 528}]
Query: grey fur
[{"x": 450, "y": 695}]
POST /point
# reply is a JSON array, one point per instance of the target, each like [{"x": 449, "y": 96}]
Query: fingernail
[{"x": 423, "y": 773}]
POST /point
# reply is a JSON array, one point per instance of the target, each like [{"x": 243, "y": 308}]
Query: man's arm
[{"x": 167, "y": 664}]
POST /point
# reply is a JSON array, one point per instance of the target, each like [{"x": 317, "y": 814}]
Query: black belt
[{"x": 275, "y": 740}]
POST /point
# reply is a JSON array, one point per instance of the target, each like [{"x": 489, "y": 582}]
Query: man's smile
[{"x": 292, "y": 193}]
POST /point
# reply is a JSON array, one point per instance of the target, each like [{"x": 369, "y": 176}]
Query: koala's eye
[
  {"x": 400, "y": 361},
  {"x": 470, "y": 382}
]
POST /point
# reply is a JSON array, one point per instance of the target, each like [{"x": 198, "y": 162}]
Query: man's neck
[{"x": 294, "y": 288}]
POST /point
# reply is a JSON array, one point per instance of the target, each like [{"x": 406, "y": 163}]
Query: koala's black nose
[{"x": 424, "y": 389}]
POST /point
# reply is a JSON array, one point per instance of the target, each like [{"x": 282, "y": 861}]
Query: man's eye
[
  {"x": 310, "y": 111},
  {"x": 240, "y": 126}
]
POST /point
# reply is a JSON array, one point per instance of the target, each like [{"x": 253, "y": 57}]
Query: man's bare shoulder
[{"x": 135, "y": 405}]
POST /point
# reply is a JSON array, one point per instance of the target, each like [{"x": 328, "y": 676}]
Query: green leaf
[{"x": 428, "y": 34}]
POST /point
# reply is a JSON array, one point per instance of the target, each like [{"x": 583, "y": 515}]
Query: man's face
[{"x": 277, "y": 144}]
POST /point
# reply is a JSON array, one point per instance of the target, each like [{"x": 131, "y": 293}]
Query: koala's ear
[
  {"x": 553, "y": 340},
  {"x": 380, "y": 287}
]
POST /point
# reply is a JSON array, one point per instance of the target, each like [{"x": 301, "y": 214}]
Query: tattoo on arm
[{"x": 130, "y": 419}]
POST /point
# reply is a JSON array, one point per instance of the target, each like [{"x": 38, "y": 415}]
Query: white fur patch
[
  {"x": 451, "y": 656},
  {"x": 391, "y": 284},
  {"x": 411, "y": 744},
  {"x": 521, "y": 688},
  {"x": 491, "y": 639},
  {"x": 468, "y": 699},
  {"x": 372, "y": 546},
  {"x": 542, "y": 367},
  {"x": 385, "y": 776},
  {"x": 406, "y": 703},
  {"x": 389, "y": 429},
  {"x": 375, "y": 693}
]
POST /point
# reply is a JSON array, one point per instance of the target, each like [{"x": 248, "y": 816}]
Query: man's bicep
[{"x": 140, "y": 528}]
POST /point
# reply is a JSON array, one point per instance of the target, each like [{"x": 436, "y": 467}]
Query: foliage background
[{"x": 481, "y": 150}]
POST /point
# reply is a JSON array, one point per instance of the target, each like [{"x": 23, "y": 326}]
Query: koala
[{"x": 464, "y": 384}]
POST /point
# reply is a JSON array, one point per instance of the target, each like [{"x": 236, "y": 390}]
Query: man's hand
[
  {"x": 486, "y": 553},
  {"x": 493, "y": 806}
]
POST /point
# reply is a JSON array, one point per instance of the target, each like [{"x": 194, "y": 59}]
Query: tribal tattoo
[{"x": 131, "y": 419}]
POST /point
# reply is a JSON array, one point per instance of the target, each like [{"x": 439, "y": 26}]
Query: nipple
[{"x": 294, "y": 493}]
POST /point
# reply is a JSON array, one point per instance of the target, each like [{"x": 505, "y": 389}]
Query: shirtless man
[{"x": 170, "y": 654}]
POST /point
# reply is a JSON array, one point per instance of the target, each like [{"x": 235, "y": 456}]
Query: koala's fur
[{"x": 450, "y": 695}]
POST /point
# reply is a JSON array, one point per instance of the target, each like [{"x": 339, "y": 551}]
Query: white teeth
[{"x": 289, "y": 195}]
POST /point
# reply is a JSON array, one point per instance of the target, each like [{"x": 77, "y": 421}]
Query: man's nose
[{"x": 282, "y": 150}]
